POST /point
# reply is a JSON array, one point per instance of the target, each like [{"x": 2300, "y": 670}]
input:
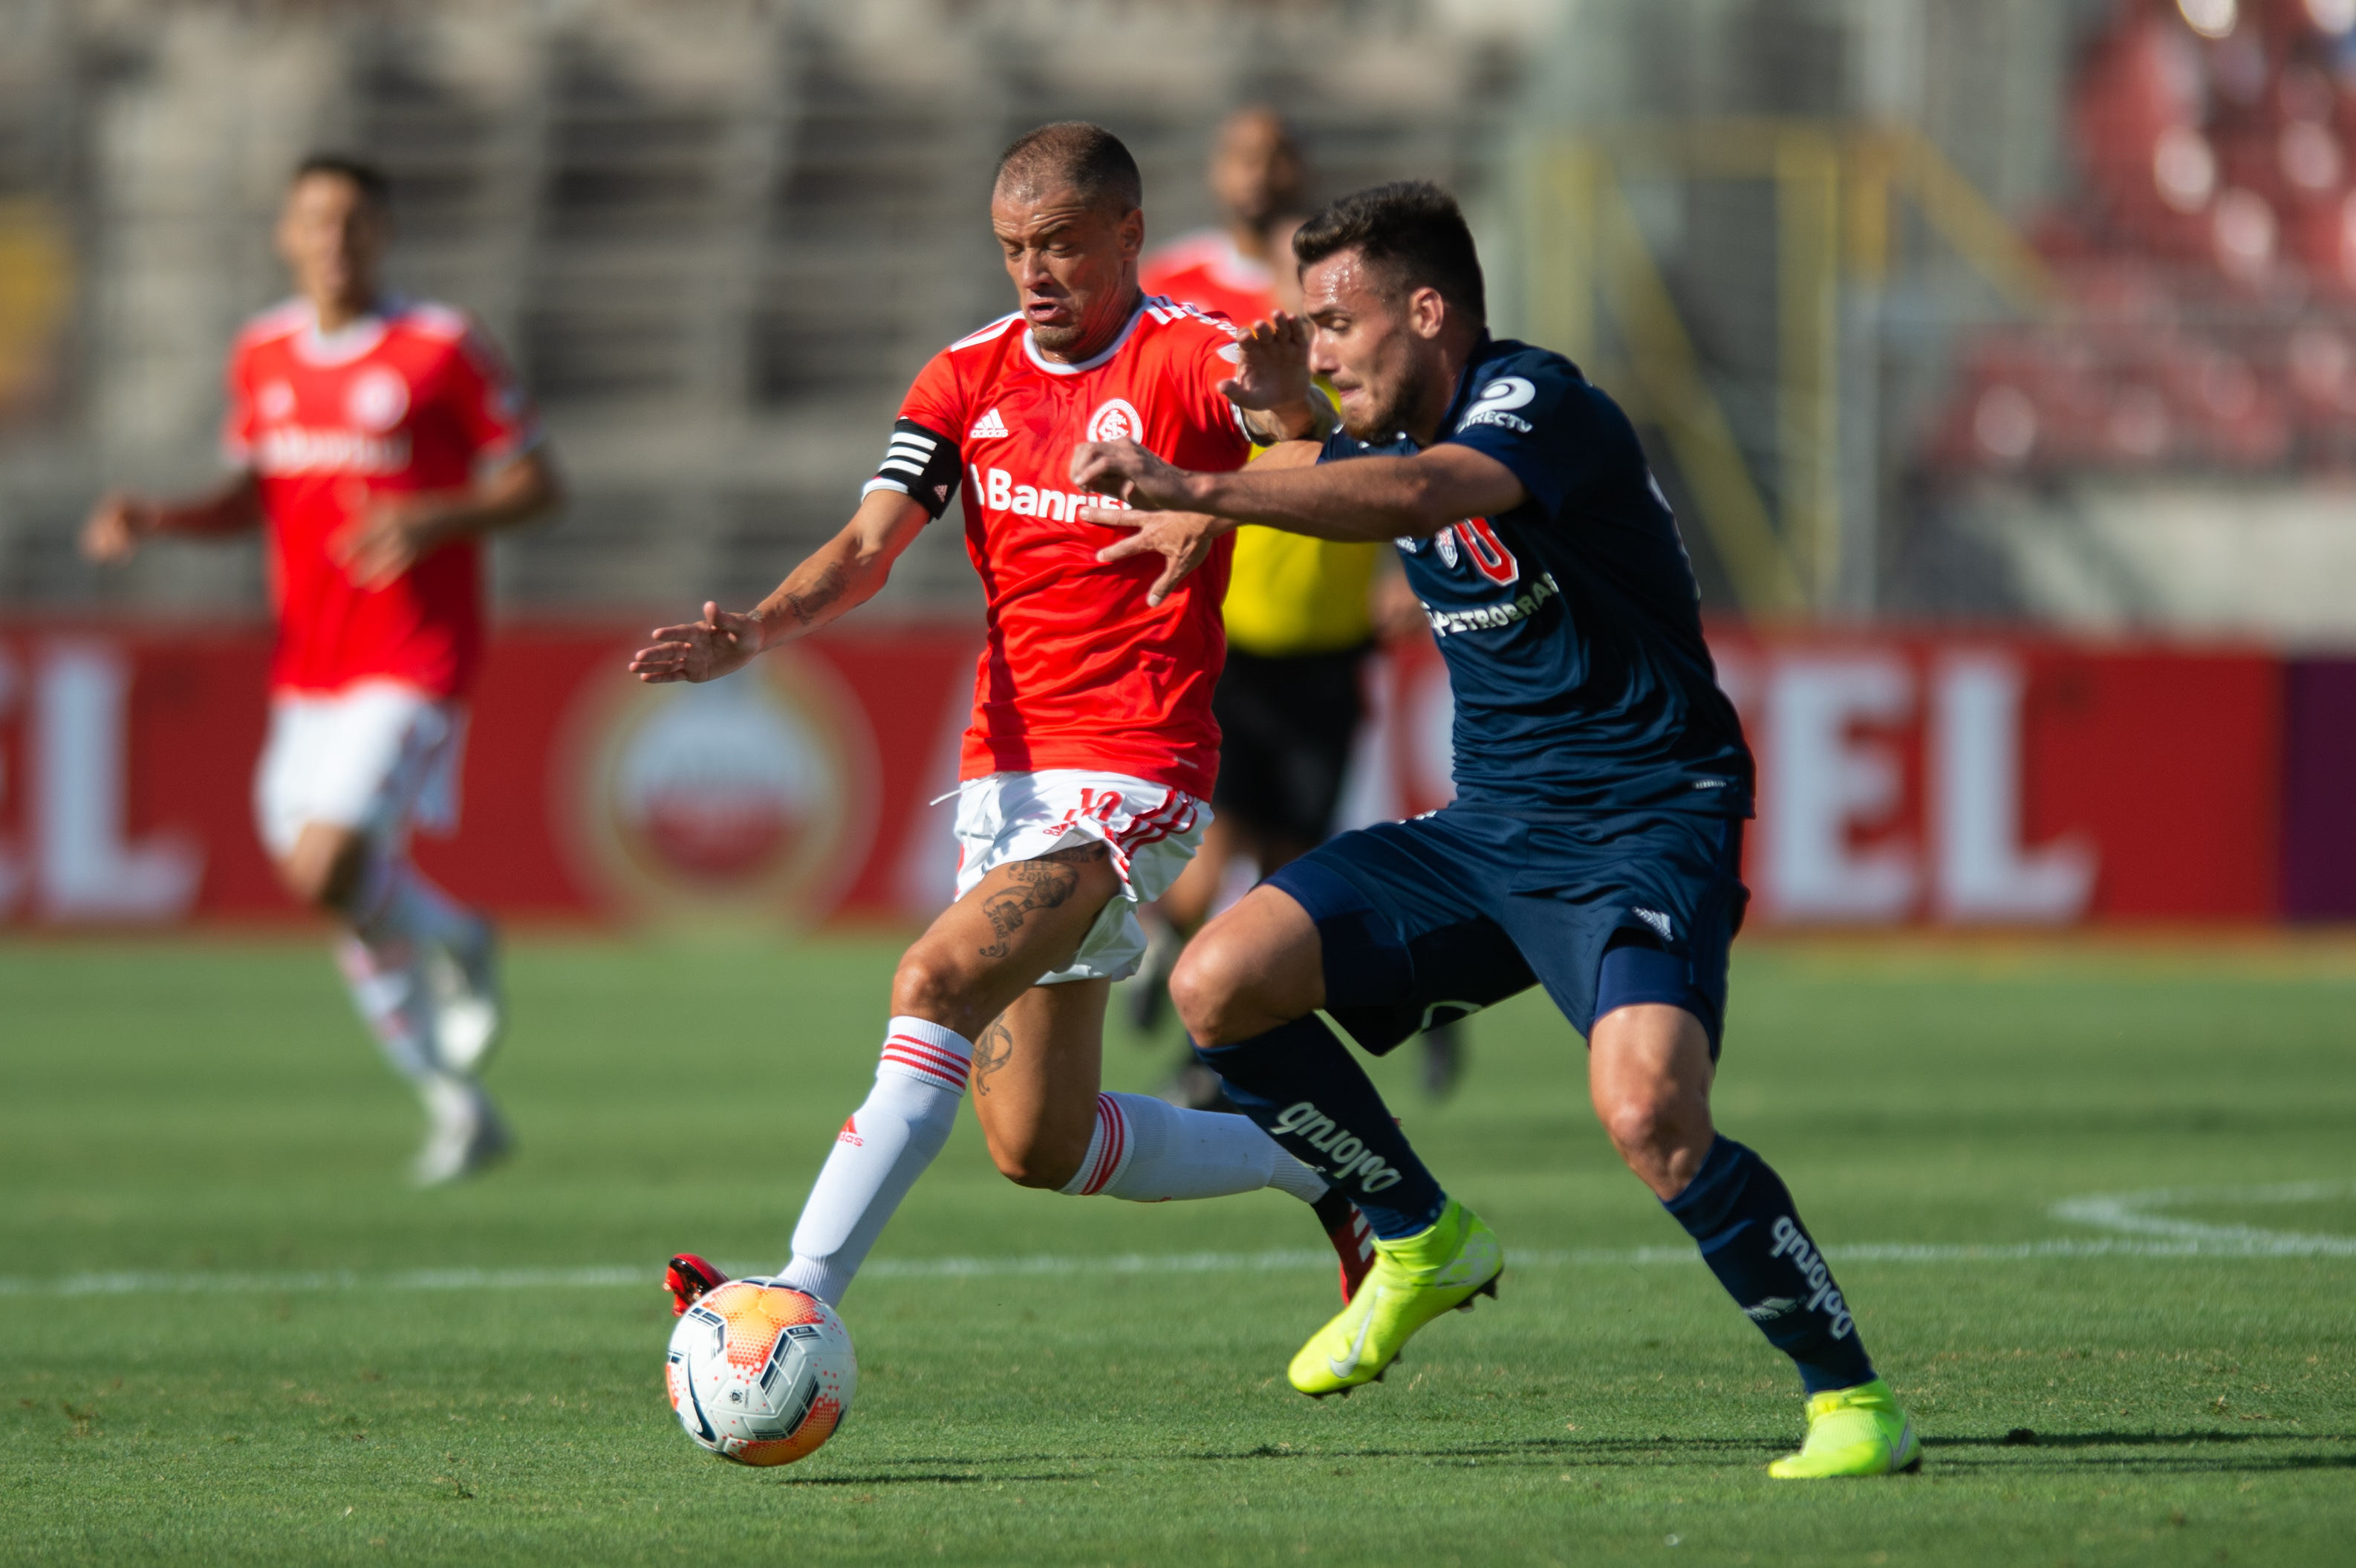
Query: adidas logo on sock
[{"x": 988, "y": 425}]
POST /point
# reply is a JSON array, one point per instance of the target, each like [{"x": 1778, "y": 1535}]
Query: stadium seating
[{"x": 2208, "y": 260}]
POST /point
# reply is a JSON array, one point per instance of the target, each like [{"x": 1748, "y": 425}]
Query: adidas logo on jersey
[{"x": 988, "y": 425}]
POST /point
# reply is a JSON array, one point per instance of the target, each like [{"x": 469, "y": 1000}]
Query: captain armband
[{"x": 922, "y": 464}]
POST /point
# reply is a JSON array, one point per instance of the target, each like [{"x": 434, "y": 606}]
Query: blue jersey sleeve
[{"x": 1533, "y": 413}]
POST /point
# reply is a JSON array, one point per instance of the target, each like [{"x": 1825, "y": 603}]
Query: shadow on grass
[
  {"x": 2136, "y": 1439},
  {"x": 2145, "y": 1451},
  {"x": 937, "y": 1477},
  {"x": 2203, "y": 1451}
]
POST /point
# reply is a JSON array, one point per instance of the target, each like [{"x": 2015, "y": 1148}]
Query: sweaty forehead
[{"x": 1342, "y": 281}]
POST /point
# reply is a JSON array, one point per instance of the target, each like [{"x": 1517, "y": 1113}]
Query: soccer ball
[{"x": 760, "y": 1373}]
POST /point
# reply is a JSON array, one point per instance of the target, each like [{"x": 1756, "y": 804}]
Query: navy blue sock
[
  {"x": 1738, "y": 1210},
  {"x": 1306, "y": 1092}
]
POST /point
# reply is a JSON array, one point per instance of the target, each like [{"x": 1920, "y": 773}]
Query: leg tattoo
[
  {"x": 1045, "y": 883},
  {"x": 993, "y": 1049}
]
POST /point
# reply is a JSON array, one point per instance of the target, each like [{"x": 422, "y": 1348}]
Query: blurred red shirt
[
  {"x": 411, "y": 400},
  {"x": 1078, "y": 671},
  {"x": 1204, "y": 268}
]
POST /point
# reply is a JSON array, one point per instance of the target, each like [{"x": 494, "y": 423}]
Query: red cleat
[
  {"x": 687, "y": 1278},
  {"x": 1353, "y": 1238}
]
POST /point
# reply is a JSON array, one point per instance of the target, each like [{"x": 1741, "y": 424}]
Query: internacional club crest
[
  {"x": 377, "y": 399},
  {"x": 1116, "y": 420}
]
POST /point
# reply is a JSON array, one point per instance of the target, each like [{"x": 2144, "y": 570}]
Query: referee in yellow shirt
[{"x": 1301, "y": 617}]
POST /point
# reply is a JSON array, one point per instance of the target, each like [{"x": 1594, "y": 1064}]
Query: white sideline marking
[{"x": 2124, "y": 1212}]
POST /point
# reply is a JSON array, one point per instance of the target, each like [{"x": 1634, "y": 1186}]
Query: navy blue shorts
[{"x": 1426, "y": 920}]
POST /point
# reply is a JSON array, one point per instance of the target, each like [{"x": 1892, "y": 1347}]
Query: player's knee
[
  {"x": 325, "y": 870},
  {"x": 1207, "y": 987},
  {"x": 927, "y": 985},
  {"x": 1648, "y": 1127},
  {"x": 1636, "y": 1125}
]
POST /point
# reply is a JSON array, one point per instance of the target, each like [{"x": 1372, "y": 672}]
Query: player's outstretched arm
[
  {"x": 122, "y": 521},
  {"x": 394, "y": 532},
  {"x": 1184, "y": 539},
  {"x": 843, "y": 574},
  {"x": 1366, "y": 498}
]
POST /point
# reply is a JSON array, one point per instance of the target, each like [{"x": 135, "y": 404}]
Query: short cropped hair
[
  {"x": 1410, "y": 230},
  {"x": 1087, "y": 157},
  {"x": 366, "y": 176}
]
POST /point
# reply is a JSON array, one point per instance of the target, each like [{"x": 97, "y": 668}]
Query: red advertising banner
[{"x": 1958, "y": 780}]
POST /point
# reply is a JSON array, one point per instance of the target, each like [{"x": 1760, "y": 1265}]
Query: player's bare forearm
[
  {"x": 121, "y": 521},
  {"x": 843, "y": 574},
  {"x": 516, "y": 493},
  {"x": 1363, "y": 499}
]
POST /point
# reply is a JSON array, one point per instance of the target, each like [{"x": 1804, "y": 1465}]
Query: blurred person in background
[
  {"x": 377, "y": 440},
  {"x": 1302, "y": 614}
]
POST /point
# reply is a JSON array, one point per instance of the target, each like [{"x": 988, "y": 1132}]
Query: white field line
[
  {"x": 2138, "y": 1233},
  {"x": 1051, "y": 1265}
]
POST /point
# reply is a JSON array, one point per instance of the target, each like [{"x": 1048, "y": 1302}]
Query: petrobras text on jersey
[
  {"x": 1488, "y": 617},
  {"x": 296, "y": 449},
  {"x": 999, "y": 492}
]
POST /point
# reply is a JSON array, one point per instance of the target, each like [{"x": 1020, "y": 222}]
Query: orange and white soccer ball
[{"x": 760, "y": 1372}]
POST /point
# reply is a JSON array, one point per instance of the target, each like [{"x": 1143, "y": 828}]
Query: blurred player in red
[
  {"x": 1302, "y": 614},
  {"x": 377, "y": 440},
  {"x": 1092, "y": 749},
  {"x": 1256, "y": 174}
]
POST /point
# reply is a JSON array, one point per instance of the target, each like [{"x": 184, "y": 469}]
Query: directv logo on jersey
[
  {"x": 988, "y": 425},
  {"x": 1505, "y": 393}
]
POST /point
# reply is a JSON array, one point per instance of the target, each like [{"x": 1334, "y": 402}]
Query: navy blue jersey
[{"x": 1572, "y": 625}]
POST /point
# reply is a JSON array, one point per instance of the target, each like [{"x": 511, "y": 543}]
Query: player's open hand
[
  {"x": 112, "y": 534},
  {"x": 1128, "y": 471},
  {"x": 1182, "y": 539},
  {"x": 1273, "y": 371},
  {"x": 390, "y": 535},
  {"x": 718, "y": 644}
]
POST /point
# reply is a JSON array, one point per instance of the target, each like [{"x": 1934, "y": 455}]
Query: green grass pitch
[{"x": 207, "y": 1113}]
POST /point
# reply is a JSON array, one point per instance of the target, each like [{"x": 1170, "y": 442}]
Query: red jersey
[
  {"x": 1204, "y": 268},
  {"x": 1078, "y": 671},
  {"x": 407, "y": 401}
]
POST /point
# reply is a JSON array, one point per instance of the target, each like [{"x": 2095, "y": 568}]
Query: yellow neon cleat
[
  {"x": 1413, "y": 1281},
  {"x": 1852, "y": 1431}
]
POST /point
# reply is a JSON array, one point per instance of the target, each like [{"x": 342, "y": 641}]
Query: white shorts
[
  {"x": 1152, "y": 830},
  {"x": 378, "y": 756}
]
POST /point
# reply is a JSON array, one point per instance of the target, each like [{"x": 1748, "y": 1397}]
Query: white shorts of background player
[
  {"x": 1152, "y": 831},
  {"x": 379, "y": 757}
]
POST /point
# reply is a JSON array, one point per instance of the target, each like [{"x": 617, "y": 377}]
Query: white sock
[
  {"x": 1149, "y": 1151},
  {"x": 879, "y": 1154},
  {"x": 387, "y": 987}
]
